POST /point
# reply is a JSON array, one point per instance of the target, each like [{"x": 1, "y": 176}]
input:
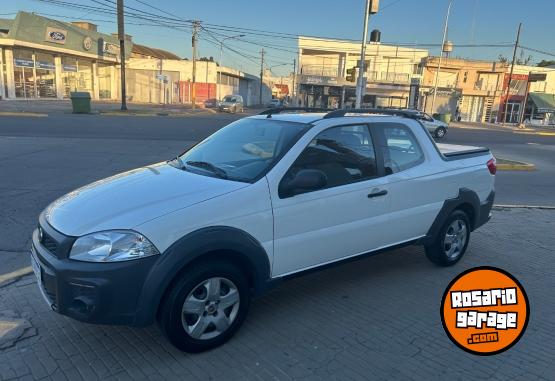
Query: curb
[
  {"x": 14, "y": 276},
  {"x": 545, "y": 207},
  {"x": 514, "y": 165},
  {"x": 24, "y": 114}
]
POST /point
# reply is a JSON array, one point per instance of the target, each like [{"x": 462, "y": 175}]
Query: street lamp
[
  {"x": 221, "y": 58},
  {"x": 441, "y": 55},
  {"x": 282, "y": 64}
]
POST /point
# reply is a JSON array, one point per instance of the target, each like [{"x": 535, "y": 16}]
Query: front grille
[{"x": 48, "y": 242}]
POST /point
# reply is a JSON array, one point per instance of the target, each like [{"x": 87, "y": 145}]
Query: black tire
[
  {"x": 438, "y": 253},
  {"x": 170, "y": 316},
  {"x": 440, "y": 132}
]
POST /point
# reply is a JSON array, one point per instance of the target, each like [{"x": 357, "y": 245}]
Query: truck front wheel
[
  {"x": 450, "y": 244},
  {"x": 205, "y": 307}
]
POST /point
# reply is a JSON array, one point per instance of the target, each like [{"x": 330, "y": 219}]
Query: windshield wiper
[
  {"x": 180, "y": 163},
  {"x": 209, "y": 166}
]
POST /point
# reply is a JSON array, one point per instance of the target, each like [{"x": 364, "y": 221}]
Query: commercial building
[
  {"x": 323, "y": 66},
  {"x": 531, "y": 98},
  {"x": 46, "y": 58},
  {"x": 469, "y": 90}
]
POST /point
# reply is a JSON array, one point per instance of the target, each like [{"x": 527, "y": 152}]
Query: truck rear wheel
[
  {"x": 205, "y": 307},
  {"x": 451, "y": 242}
]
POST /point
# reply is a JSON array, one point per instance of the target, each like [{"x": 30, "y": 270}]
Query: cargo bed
[{"x": 455, "y": 151}]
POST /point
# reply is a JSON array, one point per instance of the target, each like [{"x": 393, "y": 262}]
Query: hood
[{"x": 132, "y": 198}]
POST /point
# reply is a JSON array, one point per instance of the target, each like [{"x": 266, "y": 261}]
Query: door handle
[{"x": 377, "y": 194}]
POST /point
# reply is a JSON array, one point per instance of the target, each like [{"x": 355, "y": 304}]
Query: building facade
[
  {"x": 322, "y": 78},
  {"x": 45, "y": 58},
  {"x": 531, "y": 97},
  {"x": 42, "y": 58},
  {"x": 469, "y": 90}
]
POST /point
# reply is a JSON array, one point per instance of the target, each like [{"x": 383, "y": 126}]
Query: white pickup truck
[{"x": 189, "y": 241}]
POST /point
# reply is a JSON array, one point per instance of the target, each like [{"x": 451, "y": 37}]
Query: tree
[
  {"x": 544, "y": 63},
  {"x": 519, "y": 60}
]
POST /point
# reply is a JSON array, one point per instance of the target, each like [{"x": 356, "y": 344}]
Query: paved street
[
  {"x": 377, "y": 318},
  {"x": 373, "y": 318},
  {"x": 522, "y": 188}
]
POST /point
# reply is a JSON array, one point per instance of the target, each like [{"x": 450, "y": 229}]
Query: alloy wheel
[
  {"x": 455, "y": 238},
  {"x": 210, "y": 308}
]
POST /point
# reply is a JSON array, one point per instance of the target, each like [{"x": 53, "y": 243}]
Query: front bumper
[{"x": 101, "y": 293}]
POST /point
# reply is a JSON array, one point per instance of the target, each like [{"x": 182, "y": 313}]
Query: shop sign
[
  {"x": 318, "y": 80},
  {"x": 535, "y": 77},
  {"x": 87, "y": 43},
  {"x": 23, "y": 63},
  {"x": 109, "y": 48},
  {"x": 69, "y": 68},
  {"x": 55, "y": 35},
  {"x": 45, "y": 65}
]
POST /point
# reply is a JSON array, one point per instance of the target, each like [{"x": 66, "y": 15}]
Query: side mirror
[{"x": 305, "y": 180}]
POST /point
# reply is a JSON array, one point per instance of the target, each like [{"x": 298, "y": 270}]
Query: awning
[{"x": 544, "y": 102}]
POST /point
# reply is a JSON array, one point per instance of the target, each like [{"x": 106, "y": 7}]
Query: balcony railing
[{"x": 324, "y": 71}]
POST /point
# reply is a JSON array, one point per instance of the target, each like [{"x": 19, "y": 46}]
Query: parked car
[
  {"x": 211, "y": 103},
  {"x": 274, "y": 103},
  {"x": 436, "y": 127},
  {"x": 231, "y": 103},
  {"x": 189, "y": 241}
]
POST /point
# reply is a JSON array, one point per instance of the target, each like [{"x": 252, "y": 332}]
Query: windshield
[
  {"x": 243, "y": 150},
  {"x": 229, "y": 99}
]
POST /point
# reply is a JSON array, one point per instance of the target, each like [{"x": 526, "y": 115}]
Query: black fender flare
[
  {"x": 465, "y": 197},
  {"x": 240, "y": 245}
]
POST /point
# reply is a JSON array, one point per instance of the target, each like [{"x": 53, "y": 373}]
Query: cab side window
[
  {"x": 400, "y": 148},
  {"x": 345, "y": 154}
]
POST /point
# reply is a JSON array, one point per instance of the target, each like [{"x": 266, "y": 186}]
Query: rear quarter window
[{"x": 400, "y": 148}]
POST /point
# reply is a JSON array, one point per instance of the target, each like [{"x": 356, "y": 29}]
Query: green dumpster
[
  {"x": 443, "y": 117},
  {"x": 80, "y": 102}
]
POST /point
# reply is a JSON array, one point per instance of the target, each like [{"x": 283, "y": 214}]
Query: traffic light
[{"x": 351, "y": 74}]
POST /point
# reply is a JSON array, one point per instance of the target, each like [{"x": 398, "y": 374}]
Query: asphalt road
[
  {"x": 516, "y": 187},
  {"x": 44, "y": 158}
]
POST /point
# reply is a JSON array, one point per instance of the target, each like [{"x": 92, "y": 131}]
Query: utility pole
[
  {"x": 360, "y": 81},
  {"x": 511, "y": 76},
  {"x": 196, "y": 25},
  {"x": 261, "y": 74},
  {"x": 441, "y": 55},
  {"x": 293, "y": 89},
  {"x": 121, "y": 37}
]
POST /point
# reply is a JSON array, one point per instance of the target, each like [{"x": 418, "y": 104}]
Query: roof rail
[
  {"x": 413, "y": 114},
  {"x": 279, "y": 110}
]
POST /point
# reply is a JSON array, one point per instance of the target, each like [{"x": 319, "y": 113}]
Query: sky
[{"x": 472, "y": 22}]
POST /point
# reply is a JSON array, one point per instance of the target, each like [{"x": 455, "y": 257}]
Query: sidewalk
[
  {"x": 48, "y": 107},
  {"x": 500, "y": 127},
  {"x": 375, "y": 318}
]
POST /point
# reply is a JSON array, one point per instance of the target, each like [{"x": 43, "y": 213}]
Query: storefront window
[
  {"x": 84, "y": 76},
  {"x": 45, "y": 75},
  {"x": 69, "y": 75},
  {"x": 104, "y": 81},
  {"x": 76, "y": 75},
  {"x": 23, "y": 73},
  {"x": 34, "y": 74}
]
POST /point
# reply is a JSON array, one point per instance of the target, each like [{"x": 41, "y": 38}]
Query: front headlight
[{"x": 112, "y": 246}]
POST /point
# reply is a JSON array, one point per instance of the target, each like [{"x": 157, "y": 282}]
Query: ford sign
[{"x": 55, "y": 35}]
